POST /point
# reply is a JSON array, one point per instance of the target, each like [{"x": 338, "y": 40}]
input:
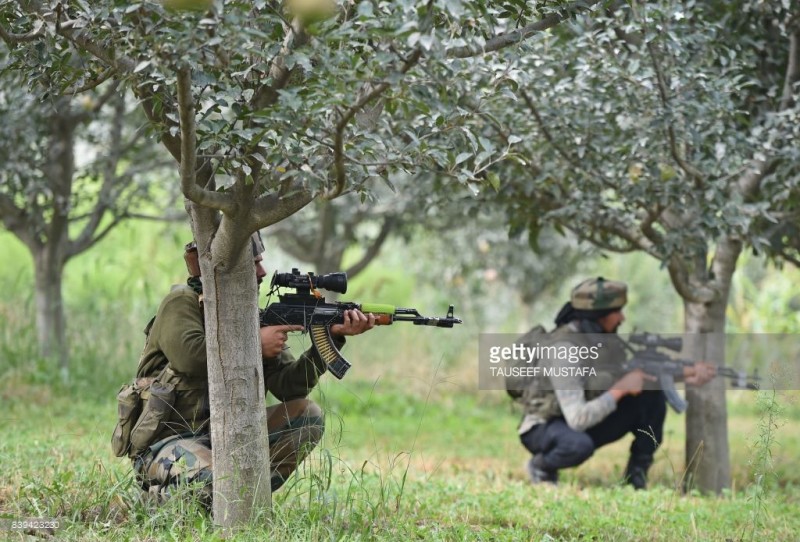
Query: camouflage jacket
[{"x": 582, "y": 400}]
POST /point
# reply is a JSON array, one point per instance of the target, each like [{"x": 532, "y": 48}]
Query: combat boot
[
  {"x": 538, "y": 475},
  {"x": 636, "y": 471}
]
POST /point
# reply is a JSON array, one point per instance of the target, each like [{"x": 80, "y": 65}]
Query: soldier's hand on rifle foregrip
[
  {"x": 699, "y": 373},
  {"x": 630, "y": 384},
  {"x": 355, "y": 323},
  {"x": 273, "y": 339}
]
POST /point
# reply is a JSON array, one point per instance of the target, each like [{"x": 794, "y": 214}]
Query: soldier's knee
[
  {"x": 314, "y": 411},
  {"x": 315, "y": 421},
  {"x": 580, "y": 447},
  {"x": 303, "y": 408},
  {"x": 307, "y": 416}
]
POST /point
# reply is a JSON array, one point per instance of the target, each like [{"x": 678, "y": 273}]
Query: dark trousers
[{"x": 558, "y": 446}]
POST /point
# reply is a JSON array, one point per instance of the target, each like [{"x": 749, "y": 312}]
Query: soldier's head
[
  {"x": 193, "y": 263},
  {"x": 258, "y": 248},
  {"x": 601, "y": 300},
  {"x": 191, "y": 259}
]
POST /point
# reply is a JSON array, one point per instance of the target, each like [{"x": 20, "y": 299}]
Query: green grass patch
[{"x": 393, "y": 465}]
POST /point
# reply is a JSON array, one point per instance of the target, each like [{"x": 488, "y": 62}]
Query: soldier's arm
[
  {"x": 579, "y": 413},
  {"x": 181, "y": 334},
  {"x": 288, "y": 378}
]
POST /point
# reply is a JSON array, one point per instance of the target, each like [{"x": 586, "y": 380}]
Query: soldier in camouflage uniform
[
  {"x": 164, "y": 416},
  {"x": 568, "y": 417}
]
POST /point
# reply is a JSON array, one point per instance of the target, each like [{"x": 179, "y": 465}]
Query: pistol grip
[{"x": 323, "y": 342}]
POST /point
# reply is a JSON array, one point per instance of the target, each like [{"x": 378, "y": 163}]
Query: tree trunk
[
  {"x": 707, "y": 450},
  {"x": 236, "y": 389},
  {"x": 50, "y": 321}
]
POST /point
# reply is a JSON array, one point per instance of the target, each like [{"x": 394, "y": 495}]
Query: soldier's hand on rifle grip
[
  {"x": 630, "y": 384},
  {"x": 273, "y": 339},
  {"x": 355, "y": 323},
  {"x": 700, "y": 373}
]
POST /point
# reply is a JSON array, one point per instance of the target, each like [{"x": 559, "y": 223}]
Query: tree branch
[
  {"x": 278, "y": 74},
  {"x": 340, "y": 171},
  {"x": 271, "y": 208},
  {"x": 652, "y": 215},
  {"x": 92, "y": 83},
  {"x": 688, "y": 168},
  {"x": 15, "y": 221},
  {"x": 679, "y": 276},
  {"x": 13, "y": 39},
  {"x": 634, "y": 238},
  {"x": 84, "y": 240},
  {"x": 188, "y": 161},
  {"x": 501, "y": 41},
  {"x": 792, "y": 70},
  {"x": 124, "y": 64},
  {"x": 749, "y": 182},
  {"x": 97, "y": 238},
  {"x": 546, "y": 132},
  {"x": 374, "y": 248}
]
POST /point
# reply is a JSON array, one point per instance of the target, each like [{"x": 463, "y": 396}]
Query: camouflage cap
[
  {"x": 257, "y": 243},
  {"x": 599, "y": 294}
]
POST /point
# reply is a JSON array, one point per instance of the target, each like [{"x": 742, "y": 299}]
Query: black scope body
[
  {"x": 335, "y": 282},
  {"x": 654, "y": 341}
]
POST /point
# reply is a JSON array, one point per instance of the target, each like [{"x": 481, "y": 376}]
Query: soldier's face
[
  {"x": 611, "y": 321},
  {"x": 260, "y": 271}
]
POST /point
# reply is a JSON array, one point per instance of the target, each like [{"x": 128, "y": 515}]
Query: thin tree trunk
[
  {"x": 707, "y": 450},
  {"x": 236, "y": 391},
  {"x": 50, "y": 321}
]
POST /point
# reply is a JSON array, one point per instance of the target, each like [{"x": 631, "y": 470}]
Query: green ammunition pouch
[
  {"x": 157, "y": 408},
  {"x": 129, "y": 406},
  {"x": 153, "y": 408}
]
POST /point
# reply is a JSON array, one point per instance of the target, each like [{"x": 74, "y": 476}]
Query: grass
[
  {"x": 434, "y": 472},
  {"x": 411, "y": 450},
  {"x": 395, "y": 464}
]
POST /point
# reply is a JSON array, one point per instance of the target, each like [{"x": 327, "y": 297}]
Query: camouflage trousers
[{"x": 295, "y": 427}]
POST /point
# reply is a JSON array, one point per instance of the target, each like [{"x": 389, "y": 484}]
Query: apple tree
[
  {"x": 265, "y": 106},
  {"x": 670, "y": 128}
]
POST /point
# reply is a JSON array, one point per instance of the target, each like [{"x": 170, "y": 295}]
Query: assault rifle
[
  {"x": 667, "y": 368},
  {"x": 308, "y": 308}
]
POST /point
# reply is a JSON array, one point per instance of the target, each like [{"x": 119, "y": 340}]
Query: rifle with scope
[
  {"x": 307, "y": 307},
  {"x": 666, "y": 368}
]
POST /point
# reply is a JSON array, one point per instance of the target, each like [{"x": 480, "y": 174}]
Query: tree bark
[
  {"x": 707, "y": 449},
  {"x": 49, "y": 253},
  {"x": 240, "y": 441},
  {"x": 50, "y": 321}
]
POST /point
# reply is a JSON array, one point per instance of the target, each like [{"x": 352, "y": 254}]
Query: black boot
[
  {"x": 636, "y": 471},
  {"x": 538, "y": 475}
]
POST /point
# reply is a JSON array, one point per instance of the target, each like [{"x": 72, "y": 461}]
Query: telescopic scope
[
  {"x": 651, "y": 340},
  {"x": 335, "y": 282}
]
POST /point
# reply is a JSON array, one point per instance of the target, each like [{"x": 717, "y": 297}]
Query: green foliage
[
  {"x": 72, "y": 164},
  {"x": 764, "y": 299},
  {"x": 637, "y": 130},
  {"x": 277, "y": 102}
]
